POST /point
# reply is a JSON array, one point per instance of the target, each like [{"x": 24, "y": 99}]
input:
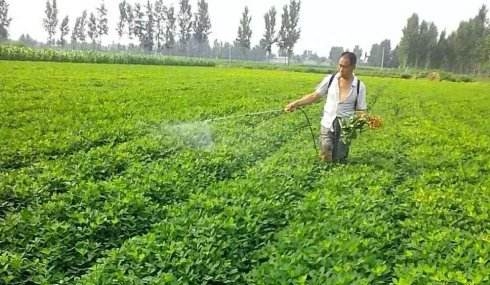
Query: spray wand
[
  {"x": 244, "y": 115},
  {"x": 274, "y": 111}
]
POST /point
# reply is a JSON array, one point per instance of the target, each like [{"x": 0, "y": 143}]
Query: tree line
[
  {"x": 156, "y": 27},
  {"x": 466, "y": 50}
]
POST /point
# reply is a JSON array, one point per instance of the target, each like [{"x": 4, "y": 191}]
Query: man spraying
[{"x": 345, "y": 97}]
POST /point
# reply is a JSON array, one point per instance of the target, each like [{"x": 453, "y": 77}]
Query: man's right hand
[{"x": 291, "y": 107}]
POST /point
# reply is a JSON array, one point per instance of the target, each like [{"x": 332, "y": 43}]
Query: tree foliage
[
  {"x": 51, "y": 21},
  {"x": 244, "y": 30},
  {"x": 270, "y": 37},
  {"x": 4, "y": 20},
  {"x": 290, "y": 32}
]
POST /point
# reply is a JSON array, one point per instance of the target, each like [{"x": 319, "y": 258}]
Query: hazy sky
[{"x": 323, "y": 23}]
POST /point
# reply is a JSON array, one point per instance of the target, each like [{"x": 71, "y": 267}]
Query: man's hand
[
  {"x": 291, "y": 107},
  {"x": 362, "y": 114}
]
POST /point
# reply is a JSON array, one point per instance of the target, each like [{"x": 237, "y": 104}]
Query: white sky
[{"x": 323, "y": 23}]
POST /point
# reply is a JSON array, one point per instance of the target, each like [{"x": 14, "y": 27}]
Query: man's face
[{"x": 345, "y": 68}]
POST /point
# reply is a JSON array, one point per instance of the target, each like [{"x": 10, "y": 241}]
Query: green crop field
[{"x": 110, "y": 174}]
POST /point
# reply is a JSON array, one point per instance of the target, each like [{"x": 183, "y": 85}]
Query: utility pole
[
  {"x": 383, "y": 58},
  {"x": 229, "y": 54}
]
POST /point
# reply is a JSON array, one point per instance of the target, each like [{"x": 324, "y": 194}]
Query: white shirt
[{"x": 333, "y": 107}]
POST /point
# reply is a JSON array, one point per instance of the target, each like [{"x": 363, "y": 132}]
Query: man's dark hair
[{"x": 351, "y": 56}]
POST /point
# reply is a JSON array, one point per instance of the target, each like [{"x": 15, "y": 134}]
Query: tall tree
[
  {"x": 282, "y": 37},
  {"x": 170, "y": 28},
  {"x": 467, "y": 43},
  {"x": 289, "y": 33},
  {"x": 82, "y": 31},
  {"x": 244, "y": 31},
  {"x": 78, "y": 32},
  {"x": 202, "y": 24},
  {"x": 431, "y": 43},
  {"x": 149, "y": 28},
  {"x": 123, "y": 19},
  {"x": 485, "y": 50},
  {"x": 160, "y": 17},
  {"x": 139, "y": 23},
  {"x": 409, "y": 42},
  {"x": 64, "y": 31},
  {"x": 51, "y": 21},
  {"x": 185, "y": 23},
  {"x": 74, "y": 31},
  {"x": 438, "y": 57},
  {"x": 451, "y": 54},
  {"x": 92, "y": 28},
  {"x": 269, "y": 38},
  {"x": 422, "y": 47},
  {"x": 481, "y": 26},
  {"x": 130, "y": 20},
  {"x": 486, "y": 53},
  {"x": 102, "y": 22},
  {"x": 4, "y": 20}
]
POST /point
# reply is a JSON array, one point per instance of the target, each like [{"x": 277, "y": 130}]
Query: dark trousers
[{"x": 340, "y": 151}]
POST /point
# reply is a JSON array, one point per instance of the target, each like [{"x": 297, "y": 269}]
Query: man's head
[{"x": 347, "y": 64}]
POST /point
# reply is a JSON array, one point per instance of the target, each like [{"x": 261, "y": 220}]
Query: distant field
[
  {"x": 21, "y": 53},
  {"x": 109, "y": 174}
]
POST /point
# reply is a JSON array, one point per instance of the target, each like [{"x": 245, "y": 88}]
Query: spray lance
[
  {"x": 232, "y": 117},
  {"x": 274, "y": 111}
]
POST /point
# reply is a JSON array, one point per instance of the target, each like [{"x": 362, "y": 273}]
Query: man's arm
[{"x": 305, "y": 100}]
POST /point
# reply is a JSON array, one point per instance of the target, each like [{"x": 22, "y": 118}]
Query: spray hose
[{"x": 311, "y": 129}]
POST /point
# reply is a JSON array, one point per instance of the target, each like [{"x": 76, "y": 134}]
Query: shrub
[
  {"x": 434, "y": 76},
  {"x": 465, "y": 78},
  {"x": 422, "y": 74},
  {"x": 445, "y": 76},
  {"x": 406, "y": 76}
]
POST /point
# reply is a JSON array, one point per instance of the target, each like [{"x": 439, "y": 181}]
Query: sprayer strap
[{"x": 332, "y": 77}]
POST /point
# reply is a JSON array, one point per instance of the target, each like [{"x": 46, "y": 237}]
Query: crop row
[
  {"x": 9, "y": 52},
  {"x": 210, "y": 239}
]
